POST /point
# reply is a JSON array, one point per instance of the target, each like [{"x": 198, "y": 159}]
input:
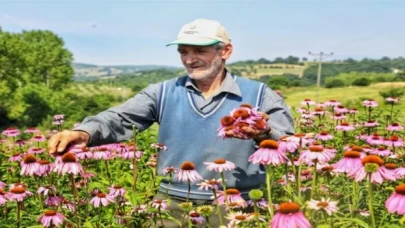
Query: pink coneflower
[
  {"x": 341, "y": 109},
  {"x": 69, "y": 165},
  {"x": 130, "y": 154},
  {"x": 159, "y": 146},
  {"x": 323, "y": 136},
  {"x": 236, "y": 218},
  {"x": 140, "y": 209},
  {"x": 58, "y": 117},
  {"x": 372, "y": 164},
  {"x": 19, "y": 193},
  {"x": 44, "y": 190},
  {"x": 53, "y": 200},
  {"x": 332, "y": 103},
  {"x": 102, "y": 153},
  {"x": 210, "y": 184},
  {"x": 370, "y": 103},
  {"x": 101, "y": 199},
  {"x": 315, "y": 153},
  {"x": 232, "y": 196},
  {"x": 308, "y": 102},
  {"x": 326, "y": 169},
  {"x": 66, "y": 204},
  {"x": 400, "y": 172},
  {"x": 3, "y": 196},
  {"x": 11, "y": 132},
  {"x": 325, "y": 204},
  {"x": 116, "y": 190},
  {"x": 394, "y": 141},
  {"x": 363, "y": 136},
  {"x": 196, "y": 218},
  {"x": 51, "y": 218},
  {"x": 351, "y": 161},
  {"x": 38, "y": 138},
  {"x": 35, "y": 150},
  {"x": 371, "y": 123},
  {"x": 289, "y": 215},
  {"x": 375, "y": 139},
  {"x": 338, "y": 116},
  {"x": 268, "y": 153},
  {"x": 319, "y": 111},
  {"x": 396, "y": 202},
  {"x": 159, "y": 204},
  {"x": 16, "y": 157},
  {"x": 45, "y": 167},
  {"x": 220, "y": 165},
  {"x": 83, "y": 153},
  {"x": 187, "y": 172},
  {"x": 306, "y": 175},
  {"x": 307, "y": 115},
  {"x": 381, "y": 151},
  {"x": 344, "y": 126},
  {"x": 302, "y": 110},
  {"x": 262, "y": 203},
  {"x": 395, "y": 127},
  {"x": 31, "y": 130},
  {"x": 392, "y": 99},
  {"x": 286, "y": 145},
  {"x": 29, "y": 165},
  {"x": 169, "y": 170}
]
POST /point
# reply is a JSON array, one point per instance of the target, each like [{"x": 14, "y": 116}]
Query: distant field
[
  {"x": 348, "y": 96},
  {"x": 257, "y": 70},
  {"x": 92, "y": 89}
]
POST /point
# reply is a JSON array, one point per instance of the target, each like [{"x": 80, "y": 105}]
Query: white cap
[{"x": 202, "y": 32}]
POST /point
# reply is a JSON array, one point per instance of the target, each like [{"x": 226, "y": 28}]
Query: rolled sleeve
[
  {"x": 116, "y": 124},
  {"x": 281, "y": 121}
]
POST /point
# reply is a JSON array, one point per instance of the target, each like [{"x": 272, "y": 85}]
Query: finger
[
  {"x": 63, "y": 143},
  {"x": 53, "y": 143}
]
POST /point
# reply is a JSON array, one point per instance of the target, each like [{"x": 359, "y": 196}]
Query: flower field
[{"x": 344, "y": 167}]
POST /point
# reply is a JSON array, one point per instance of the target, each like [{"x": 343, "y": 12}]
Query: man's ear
[{"x": 226, "y": 51}]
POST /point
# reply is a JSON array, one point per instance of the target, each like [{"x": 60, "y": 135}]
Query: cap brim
[{"x": 194, "y": 41}]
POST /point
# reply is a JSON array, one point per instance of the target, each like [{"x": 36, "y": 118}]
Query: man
[{"x": 188, "y": 110}]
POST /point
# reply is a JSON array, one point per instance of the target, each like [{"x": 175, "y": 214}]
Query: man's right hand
[{"x": 60, "y": 141}]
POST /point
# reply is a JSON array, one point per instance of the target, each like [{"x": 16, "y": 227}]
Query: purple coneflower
[
  {"x": 344, "y": 126},
  {"x": 220, "y": 165},
  {"x": 395, "y": 127},
  {"x": 392, "y": 99},
  {"x": 140, "y": 209},
  {"x": 196, "y": 218},
  {"x": 332, "y": 103},
  {"x": 400, "y": 172},
  {"x": 31, "y": 130},
  {"x": 101, "y": 199},
  {"x": 38, "y": 138},
  {"x": 375, "y": 139},
  {"x": 381, "y": 151},
  {"x": 3, "y": 196},
  {"x": 66, "y": 204},
  {"x": 351, "y": 161},
  {"x": 102, "y": 153},
  {"x": 338, "y": 116},
  {"x": 46, "y": 189},
  {"x": 286, "y": 145},
  {"x": 169, "y": 170},
  {"x": 16, "y": 157},
  {"x": 232, "y": 196},
  {"x": 116, "y": 190},
  {"x": 394, "y": 141},
  {"x": 210, "y": 184},
  {"x": 69, "y": 165},
  {"x": 51, "y": 218},
  {"x": 372, "y": 164},
  {"x": 53, "y": 200},
  {"x": 323, "y": 136},
  {"x": 187, "y": 172},
  {"x": 396, "y": 202},
  {"x": 268, "y": 153},
  {"x": 159, "y": 204},
  {"x": 11, "y": 132},
  {"x": 370, "y": 103},
  {"x": 308, "y": 102},
  {"x": 29, "y": 165},
  {"x": 302, "y": 110},
  {"x": 18, "y": 193},
  {"x": 315, "y": 153},
  {"x": 35, "y": 150},
  {"x": 45, "y": 167},
  {"x": 371, "y": 123},
  {"x": 340, "y": 109},
  {"x": 83, "y": 153},
  {"x": 289, "y": 215},
  {"x": 325, "y": 204}
]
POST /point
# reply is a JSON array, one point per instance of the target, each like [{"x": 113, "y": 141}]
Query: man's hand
[{"x": 60, "y": 141}]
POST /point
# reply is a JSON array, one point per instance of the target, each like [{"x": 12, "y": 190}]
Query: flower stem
[
  {"x": 224, "y": 187},
  {"x": 99, "y": 215},
  {"x": 39, "y": 195},
  {"x": 134, "y": 163},
  {"x": 188, "y": 189},
  {"x": 18, "y": 214},
  {"x": 207, "y": 218},
  {"x": 76, "y": 197},
  {"x": 269, "y": 173},
  {"x": 371, "y": 201},
  {"x": 160, "y": 216},
  {"x": 218, "y": 208},
  {"x": 314, "y": 182},
  {"x": 107, "y": 171}
]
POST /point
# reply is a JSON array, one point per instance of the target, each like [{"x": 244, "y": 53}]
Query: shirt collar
[{"x": 228, "y": 85}]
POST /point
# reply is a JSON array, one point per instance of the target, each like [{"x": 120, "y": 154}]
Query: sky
[{"x": 123, "y": 32}]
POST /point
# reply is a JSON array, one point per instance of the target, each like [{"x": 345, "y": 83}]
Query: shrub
[
  {"x": 334, "y": 83},
  {"x": 361, "y": 82},
  {"x": 395, "y": 92}
]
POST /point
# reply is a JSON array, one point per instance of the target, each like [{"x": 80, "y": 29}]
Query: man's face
[{"x": 201, "y": 62}]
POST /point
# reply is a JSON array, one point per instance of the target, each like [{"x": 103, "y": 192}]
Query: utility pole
[{"x": 318, "y": 79}]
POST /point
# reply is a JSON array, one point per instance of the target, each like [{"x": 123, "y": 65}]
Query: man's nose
[{"x": 190, "y": 58}]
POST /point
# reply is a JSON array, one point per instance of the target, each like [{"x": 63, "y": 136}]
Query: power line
[{"x": 318, "y": 79}]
